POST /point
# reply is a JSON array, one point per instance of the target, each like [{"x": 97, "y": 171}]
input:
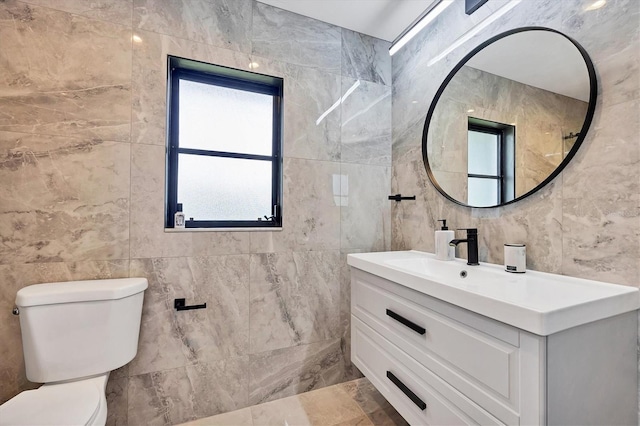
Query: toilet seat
[{"x": 72, "y": 403}]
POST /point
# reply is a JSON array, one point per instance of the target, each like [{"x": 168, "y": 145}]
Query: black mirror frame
[{"x": 593, "y": 92}]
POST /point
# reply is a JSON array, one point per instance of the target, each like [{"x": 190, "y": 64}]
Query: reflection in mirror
[
  {"x": 491, "y": 163},
  {"x": 508, "y": 116}
]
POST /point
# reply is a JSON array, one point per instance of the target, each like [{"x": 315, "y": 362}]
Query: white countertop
[{"x": 538, "y": 302}]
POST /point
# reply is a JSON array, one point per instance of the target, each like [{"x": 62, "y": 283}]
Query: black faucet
[{"x": 472, "y": 245}]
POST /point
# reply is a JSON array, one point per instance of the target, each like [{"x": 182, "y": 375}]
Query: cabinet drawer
[
  {"x": 481, "y": 366},
  {"x": 419, "y": 395}
]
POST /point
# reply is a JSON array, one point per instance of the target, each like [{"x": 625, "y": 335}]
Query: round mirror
[{"x": 509, "y": 117}]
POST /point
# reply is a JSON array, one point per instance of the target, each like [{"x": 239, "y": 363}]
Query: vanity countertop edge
[{"x": 533, "y": 314}]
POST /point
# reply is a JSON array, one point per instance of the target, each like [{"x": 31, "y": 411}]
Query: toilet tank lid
[{"x": 79, "y": 291}]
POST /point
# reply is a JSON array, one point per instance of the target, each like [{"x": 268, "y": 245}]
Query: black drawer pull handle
[
  {"x": 402, "y": 320},
  {"x": 412, "y": 396}
]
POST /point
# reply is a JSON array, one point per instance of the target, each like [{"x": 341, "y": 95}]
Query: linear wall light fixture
[
  {"x": 475, "y": 30},
  {"x": 436, "y": 8}
]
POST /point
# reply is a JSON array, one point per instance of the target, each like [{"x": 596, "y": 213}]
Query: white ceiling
[
  {"x": 538, "y": 58},
  {"x": 384, "y": 19}
]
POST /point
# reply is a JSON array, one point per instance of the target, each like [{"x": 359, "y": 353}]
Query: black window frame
[
  {"x": 499, "y": 130},
  {"x": 186, "y": 69}
]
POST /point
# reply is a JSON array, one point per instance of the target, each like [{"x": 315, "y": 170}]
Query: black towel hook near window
[
  {"x": 180, "y": 305},
  {"x": 399, "y": 197}
]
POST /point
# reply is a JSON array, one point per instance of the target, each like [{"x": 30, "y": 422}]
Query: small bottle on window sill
[{"x": 178, "y": 219}]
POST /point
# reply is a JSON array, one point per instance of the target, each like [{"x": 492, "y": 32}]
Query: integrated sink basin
[{"x": 538, "y": 302}]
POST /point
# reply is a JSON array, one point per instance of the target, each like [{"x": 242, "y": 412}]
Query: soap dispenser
[
  {"x": 443, "y": 250},
  {"x": 178, "y": 219}
]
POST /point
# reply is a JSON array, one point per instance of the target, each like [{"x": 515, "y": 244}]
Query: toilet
[{"x": 73, "y": 335}]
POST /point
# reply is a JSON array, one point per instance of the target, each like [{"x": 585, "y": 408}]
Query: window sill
[{"x": 265, "y": 229}]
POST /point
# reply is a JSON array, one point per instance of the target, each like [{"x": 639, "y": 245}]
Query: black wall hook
[
  {"x": 179, "y": 304},
  {"x": 399, "y": 197}
]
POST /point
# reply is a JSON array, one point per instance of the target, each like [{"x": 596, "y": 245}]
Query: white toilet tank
[{"x": 79, "y": 328}]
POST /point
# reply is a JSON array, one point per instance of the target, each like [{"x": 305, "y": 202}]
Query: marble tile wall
[
  {"x": 586, "y": 223},
  {"x": 82, "y": 135}
]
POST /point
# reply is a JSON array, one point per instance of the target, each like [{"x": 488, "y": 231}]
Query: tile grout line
[
  {"x": 130, "y": 142},
  {"x": 130, "y": 262},
  {"x": 251, "y": 240}
]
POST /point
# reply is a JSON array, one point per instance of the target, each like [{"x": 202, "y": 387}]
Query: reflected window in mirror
[{"x": 490, "y": 162}]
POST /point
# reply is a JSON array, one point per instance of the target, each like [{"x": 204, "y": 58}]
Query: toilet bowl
[
  {"x": 81, "y": 402},
  {"x": 73, "y": 335}
]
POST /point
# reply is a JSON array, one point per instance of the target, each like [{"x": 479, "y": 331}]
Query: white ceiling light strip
[
  {"x": 429, "y": 15},
  {"x": 475, "y": 30}
]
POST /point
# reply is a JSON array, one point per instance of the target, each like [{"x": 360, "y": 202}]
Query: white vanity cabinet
[{"x": 440, "y": 364}]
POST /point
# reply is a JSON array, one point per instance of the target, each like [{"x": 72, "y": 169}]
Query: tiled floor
[{"x": 355, "y": 403}]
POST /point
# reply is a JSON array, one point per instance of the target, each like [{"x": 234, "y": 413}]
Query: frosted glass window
[
  {"x": 224, "y": 162},
  {"x": 217, "y": 188},
  {"x": 482, "y": 192},
  {"x": 483, "y": 153},
  {"x": 217, "y": 118}
]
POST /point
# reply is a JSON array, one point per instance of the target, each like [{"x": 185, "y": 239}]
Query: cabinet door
[
  {"x": 479, "y": 365},
  {"x": 418, "y": 394}
]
